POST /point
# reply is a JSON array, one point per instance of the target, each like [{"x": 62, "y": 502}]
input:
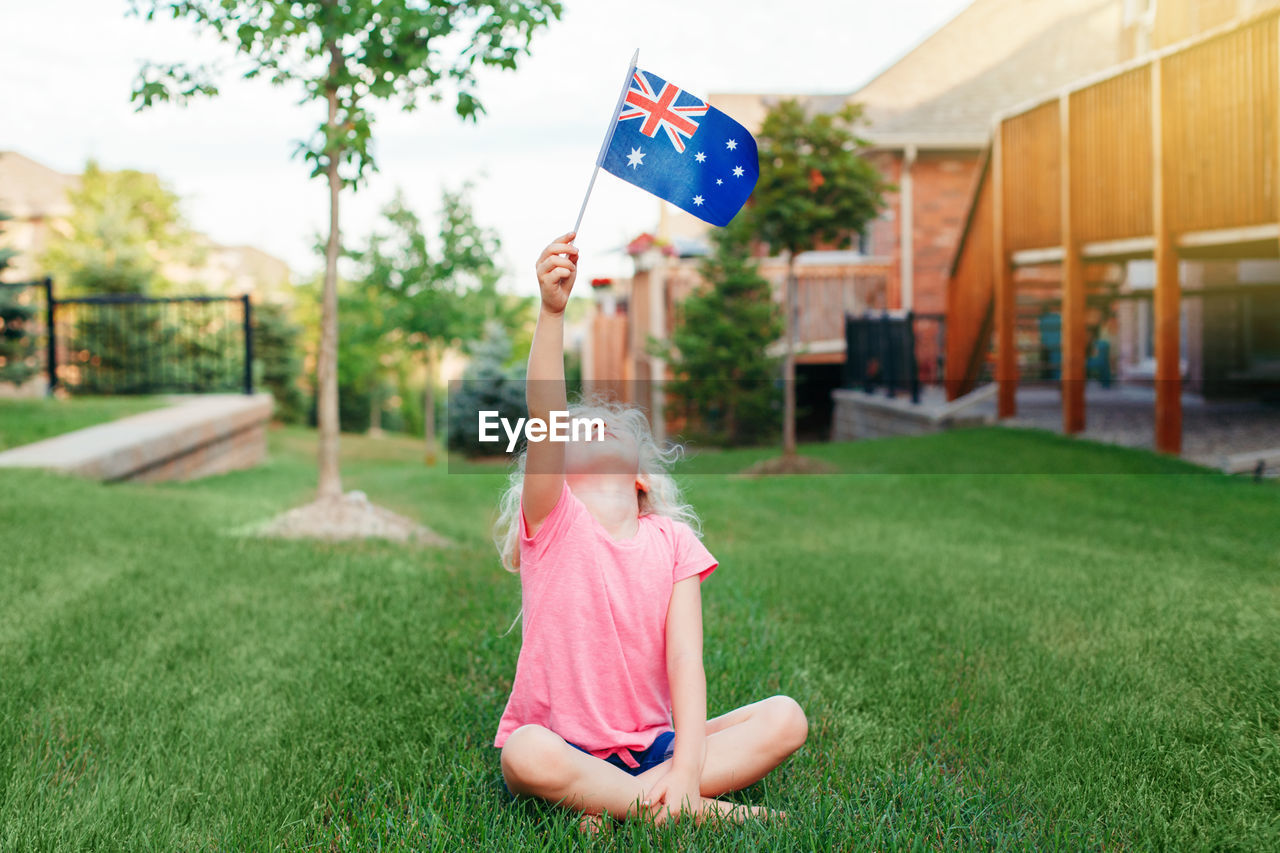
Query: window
[
  {"x": 1136, "y": 10},
  {"x": 1146, "y": 333}
]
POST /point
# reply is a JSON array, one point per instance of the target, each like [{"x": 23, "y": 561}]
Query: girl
[{"x": 608, "y": 708}]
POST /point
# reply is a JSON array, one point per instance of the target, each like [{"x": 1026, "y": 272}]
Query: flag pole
[{"x": 608, "y": 137}]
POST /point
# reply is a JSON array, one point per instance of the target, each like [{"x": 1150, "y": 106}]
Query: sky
[{"x": 68, "y": 67}]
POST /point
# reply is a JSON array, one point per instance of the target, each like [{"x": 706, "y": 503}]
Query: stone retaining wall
[
  {"x": 860, "y": 415},
  {"x": 197, "y": 436}
]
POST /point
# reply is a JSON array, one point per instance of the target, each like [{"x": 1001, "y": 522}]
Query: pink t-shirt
[{"x": 592, "y": 665}]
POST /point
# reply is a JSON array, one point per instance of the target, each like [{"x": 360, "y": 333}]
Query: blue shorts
[{"x": 657, "y": 752}]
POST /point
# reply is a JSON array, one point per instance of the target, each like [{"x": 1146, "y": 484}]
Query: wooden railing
[
  {"x": 1208, "y": 109},
  {"x": 970, "y": 294},
  {"x": 824, "y": 298}
]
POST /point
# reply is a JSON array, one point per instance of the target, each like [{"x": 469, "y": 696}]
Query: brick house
[
  {"x": 928, "y": 125},
  {"x": 36, "y": 198}
]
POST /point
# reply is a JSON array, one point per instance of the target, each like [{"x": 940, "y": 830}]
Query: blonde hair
[{"x": 659, "y": 496}]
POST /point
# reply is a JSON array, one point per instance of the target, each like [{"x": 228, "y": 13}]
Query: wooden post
[
  {"x": 1071, "y": 381},
  {"x": 1006, "y": 356},
  {"x": 657, "y": 366},
  {"x": 1168, "y": 415}
]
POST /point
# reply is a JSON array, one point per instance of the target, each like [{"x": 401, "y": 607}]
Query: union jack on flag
[
  {"x": 706, "y": 164},
  {"x": 659, "y": 110}
]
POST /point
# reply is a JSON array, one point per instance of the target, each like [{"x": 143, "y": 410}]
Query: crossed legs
[{"x": 743, "y": 746}]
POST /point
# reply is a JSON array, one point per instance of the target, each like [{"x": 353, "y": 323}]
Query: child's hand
[
  {"x": 674, "y": 795},
  {"x": 557, "y": 273}
]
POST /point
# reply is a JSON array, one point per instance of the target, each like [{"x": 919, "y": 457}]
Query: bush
[
  {"x": 489, "y": 385},
  {"x": 18, "y": 359},
  {"x": 277, "y": 366}
]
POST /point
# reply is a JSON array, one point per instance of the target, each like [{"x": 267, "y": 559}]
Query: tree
[
  {"x": 813, "y": 186},
  {"x": 6, "y": 255},
  {"x": 723, "y": 376},
  {"x": 349, "y": 54},
  {"x": 439, "y": 296},
  {"x": 366, "y": 349},
  {"x": 122, "y": 226},
  {"x": 364, "y": 354},
  {"x": 275, "y": 348},
  {"x": 17, "y": 345},
  {"x": 490, "y": 383}
]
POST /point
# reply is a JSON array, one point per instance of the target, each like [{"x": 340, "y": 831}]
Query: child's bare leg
[
  {"x": 538, "y": 762},
  {"x": 743, "y": 746},
  {"x": 746, "y": 744}
]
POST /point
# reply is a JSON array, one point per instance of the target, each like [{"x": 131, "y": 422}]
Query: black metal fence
[
  {"x": 134, "y": 344},
  {"x": 885, "y": 349}
]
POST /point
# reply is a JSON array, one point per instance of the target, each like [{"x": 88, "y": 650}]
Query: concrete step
[
  {"x": 1260, "y": 463},
  {"x": 197, "y": 436}
]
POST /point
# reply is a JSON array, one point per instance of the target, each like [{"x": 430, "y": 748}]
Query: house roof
[
  {"x": 30, "y": 190},
  {"x": 945, "y": 91}
]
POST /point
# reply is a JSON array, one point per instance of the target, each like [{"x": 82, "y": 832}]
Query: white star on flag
[
  {"x": 719, "y": 182},
  {"x": 697, "y": 199},
  {"x": 731, "y": 144},
  {"x": 737, "y": 171},
  {"x": 700, "y": 156},
  {"x": 635, "y": 158}
]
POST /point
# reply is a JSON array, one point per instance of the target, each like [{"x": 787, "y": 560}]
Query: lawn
[
  {"x": 25, "y": 420},
  {"x": 1074, "y": 661}
]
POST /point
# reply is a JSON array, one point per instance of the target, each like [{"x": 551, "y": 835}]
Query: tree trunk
[
  {"x": 429, "y": 405},
  {"x": 330, "y": 484},
  {"x": 789, "y": 364},
  {"x": 375, "y": 411}
]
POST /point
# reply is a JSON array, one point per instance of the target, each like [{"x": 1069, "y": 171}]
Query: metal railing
[
  {"x": 883, "y": 349},
  {"x": 134, "y": 344}
]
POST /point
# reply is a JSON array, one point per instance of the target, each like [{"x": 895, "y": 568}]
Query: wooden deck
[{"x": 1175, "y": 155}]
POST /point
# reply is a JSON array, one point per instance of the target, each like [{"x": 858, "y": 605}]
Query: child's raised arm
[{"x": 544, "y": 389}]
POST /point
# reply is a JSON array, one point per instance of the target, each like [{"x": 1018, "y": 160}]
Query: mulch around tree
[
  {"x": 346, "y": 517},
  {"x": 789, "y": 465}
]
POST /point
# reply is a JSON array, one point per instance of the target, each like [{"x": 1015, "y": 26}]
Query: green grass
[
  {"x": 1077, "y": 661},
  {"x": 23, "y": 421}
]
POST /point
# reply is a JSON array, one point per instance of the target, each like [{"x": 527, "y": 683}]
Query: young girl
[{"x": 608, "y": 708}]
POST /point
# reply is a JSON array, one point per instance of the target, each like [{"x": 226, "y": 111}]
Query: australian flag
[{"x": 682, "y": 149}]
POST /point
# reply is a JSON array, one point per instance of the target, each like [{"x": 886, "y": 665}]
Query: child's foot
[
  {"x": 739, "y": 812},
  {"x": 591, "y": 824},
  {"x": 768, "y": 814}
]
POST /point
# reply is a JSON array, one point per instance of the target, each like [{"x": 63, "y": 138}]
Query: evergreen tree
[
  {"x": 725, "y": 381},
  {"x": 277, "y": 365},
  {"x": 18, "y": 361},
  {"x": 123, "y": 225},
  {"x": 488, "y": 384}
]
